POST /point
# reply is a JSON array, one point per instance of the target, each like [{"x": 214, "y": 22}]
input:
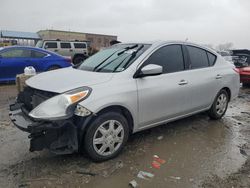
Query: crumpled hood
[{"x": 66, "y": 79}]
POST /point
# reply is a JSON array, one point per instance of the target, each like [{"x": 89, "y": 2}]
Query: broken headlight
[{"x": 60, "y": 106}]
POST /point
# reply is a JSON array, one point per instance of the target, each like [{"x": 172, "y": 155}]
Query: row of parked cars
[
  {"x": 47, "y": 55},
  {"x": 121, "y": 90}
]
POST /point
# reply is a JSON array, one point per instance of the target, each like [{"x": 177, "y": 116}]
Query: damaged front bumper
[{"x": 60, "y": 136}]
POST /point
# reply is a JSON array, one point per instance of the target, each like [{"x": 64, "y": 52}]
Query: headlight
[{"x": 60, "y": 106}]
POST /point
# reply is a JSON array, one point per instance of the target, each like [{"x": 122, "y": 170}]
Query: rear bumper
[
  {"x": 59, "y": 137},
  {"x": 245, "y": 78}
]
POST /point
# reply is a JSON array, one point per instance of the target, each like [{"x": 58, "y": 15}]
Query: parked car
[
  {"x": 13, "y": 60},
  {"x": 227, "y": 55},
  {"x": 78, "y": 51},
  {"x": 119, "y": 91},
  {"x": 241, "y": 60}
]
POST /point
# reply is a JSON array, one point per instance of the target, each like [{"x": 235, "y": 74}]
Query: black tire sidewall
[
  {"x": 78, "y": 59},
  {"x": 88, "y": 138},
  {"x": 212, "y": 112}
]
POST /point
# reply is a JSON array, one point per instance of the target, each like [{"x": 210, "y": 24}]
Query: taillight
[
  {"x": 68, "y": 59},
  {"x": 236, "y": 70}
]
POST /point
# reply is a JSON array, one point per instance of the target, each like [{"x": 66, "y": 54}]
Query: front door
[{"x": 165, "y": 96}]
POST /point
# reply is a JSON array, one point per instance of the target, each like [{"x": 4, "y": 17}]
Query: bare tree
[{"x": 225, "y": 46}]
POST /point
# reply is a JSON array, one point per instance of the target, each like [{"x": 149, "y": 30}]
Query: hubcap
[
  {"x": 221, "y": 104},
  {"x": 108, "y": 137}
]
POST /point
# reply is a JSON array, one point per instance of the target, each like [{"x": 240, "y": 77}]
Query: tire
[
  {"x": 78, "y": 59},
  {"x": 101, "y": 131},
  {"x": 53, "y": 68},
  {"x": 220, "y": 104}
]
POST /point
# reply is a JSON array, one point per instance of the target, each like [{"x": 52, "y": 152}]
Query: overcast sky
[{"x": 201, "y": 21}]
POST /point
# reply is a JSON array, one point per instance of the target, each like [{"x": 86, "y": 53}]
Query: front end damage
[{"x": 60, "y": 136}]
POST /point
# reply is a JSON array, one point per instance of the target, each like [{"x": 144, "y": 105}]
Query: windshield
[{"x": 114, "y": 59}]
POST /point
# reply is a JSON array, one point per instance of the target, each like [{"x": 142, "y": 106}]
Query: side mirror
[
  {"x": 149, "y": 70},
  {"x": 46, "y": 46}
]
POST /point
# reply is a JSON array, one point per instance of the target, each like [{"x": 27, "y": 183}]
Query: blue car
[{"x": 14, "y": 59}]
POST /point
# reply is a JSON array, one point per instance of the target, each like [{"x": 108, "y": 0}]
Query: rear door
[
  {"x": 66, "y": 49},
  {"x": 38, "y": 60},
  {"x": 80, "y": 48},
  {"x": 167, "y": 95},
  {"x": 204, "y": 78}
]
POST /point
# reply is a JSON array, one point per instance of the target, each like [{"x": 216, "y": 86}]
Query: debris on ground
[
  {"x": 159, "y": 137},
  {"x": 156, "y": 165},
  {"x": 157, "y": 162},
  {"x": 133, "y": 183},
  {"x": 86, "y": 172},
  {"x": 175, "y": 177},
  {"x": 111, "y": 170},
  {"x": 158, "y": 159},
  {"x": 145, "y": 175}
]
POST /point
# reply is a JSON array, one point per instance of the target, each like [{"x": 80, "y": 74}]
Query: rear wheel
[
  {"x": 219, "y": 107},
  {"x": 78, "y": 59},
  {"x": 106, "y": 136}
]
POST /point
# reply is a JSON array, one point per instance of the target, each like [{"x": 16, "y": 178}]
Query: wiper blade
[
  {"x": 127, "y": 48},
  {"x": 118, "y": 54},
  {"x": 131, "y": 57}
]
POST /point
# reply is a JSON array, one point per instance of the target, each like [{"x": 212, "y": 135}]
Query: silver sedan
[{"x": 121, "y": 90}]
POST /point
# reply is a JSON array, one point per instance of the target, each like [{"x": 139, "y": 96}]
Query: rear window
[
  {"x": 65, "y": 45},
  {"x": 198, "y": 57},
  {"x": 51, "y": 45},
  {"x": 36, "y": 54},
  {"x": 211, "y": 58},
  {"x": 80, "y": 45}
]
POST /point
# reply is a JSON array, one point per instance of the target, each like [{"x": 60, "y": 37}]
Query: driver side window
[{"x": 170, "y": 57}]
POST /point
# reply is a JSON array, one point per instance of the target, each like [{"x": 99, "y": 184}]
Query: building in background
[
  {"x": 9, "y": 38},
  {"x": 97, "y": 41}
]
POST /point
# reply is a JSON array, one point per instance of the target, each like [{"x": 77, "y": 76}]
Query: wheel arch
[
  {"x": 85, "y": 122},
  {"x": 113, "y": 108},
  {"x": 227, "y": 89},
  {"x": 121, "y": 109}
]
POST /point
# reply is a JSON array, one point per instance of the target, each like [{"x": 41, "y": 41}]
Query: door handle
[
  {"x": 71, "y": 50},
  {"x": 183, "y": 82},
  {"x": 55, "y": 50},
  {"x": 218, "y": 76}
]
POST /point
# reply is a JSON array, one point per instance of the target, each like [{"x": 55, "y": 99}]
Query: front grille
[{"x": 31, "y": 98}]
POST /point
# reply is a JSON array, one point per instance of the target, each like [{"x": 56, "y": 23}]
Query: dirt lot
[{"x": 199, "y": 152}]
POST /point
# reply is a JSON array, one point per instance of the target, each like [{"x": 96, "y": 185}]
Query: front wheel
[
  {"x": 106, "y": 136},
  {"x": 219, "y": 107}
]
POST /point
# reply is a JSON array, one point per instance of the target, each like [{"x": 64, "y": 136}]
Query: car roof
[
  {"x": 159, "y": 43},
  {"x": 78, "y": 41}
]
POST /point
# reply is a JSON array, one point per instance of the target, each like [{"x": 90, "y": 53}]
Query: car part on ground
[{"x": 122, "y": 90}]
